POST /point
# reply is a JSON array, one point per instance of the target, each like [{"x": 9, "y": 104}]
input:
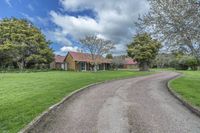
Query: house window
[
  {"x": 82, "y": 65},
  {"x": 63, "y": 66}
]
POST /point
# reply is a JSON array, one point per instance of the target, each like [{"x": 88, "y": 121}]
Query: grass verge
[
  {"x": 188, "y": 87},
  {"x": 23, "y": 96}
]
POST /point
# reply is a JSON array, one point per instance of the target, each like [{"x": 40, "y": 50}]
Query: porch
[{"x": 86, "y": 66}]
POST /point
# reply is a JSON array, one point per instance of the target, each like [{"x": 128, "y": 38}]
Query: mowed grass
[
  {"x": 23, "y": 96},
  {"x": 188, "y": 87}
]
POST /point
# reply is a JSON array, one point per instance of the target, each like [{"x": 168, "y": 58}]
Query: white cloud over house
[
  {"x": 69, "y": 48},
  {"x": 65, "y": 49},
  {"x": 78, "y": 27},
  {"x": 58, "y": 37},
  {"x": 114, "y": 20}
]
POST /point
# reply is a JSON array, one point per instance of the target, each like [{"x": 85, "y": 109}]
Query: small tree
[
  {"x": 143, "y": 49},
  {"x": 117, "y": 61},
  {"x": 97, "y": 48},
  {"x": 109, "y": 56},
  {"x": 163, "y": 60}
]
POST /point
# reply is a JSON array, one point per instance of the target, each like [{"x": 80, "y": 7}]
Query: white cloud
[
  {"x": 30, "y": 7},
  {"x": 8, "y": 2},
  {"x": 114, "y": 21},
  {"x": 36, "y": 19},
  {"x": 28, "y": 17},
  {"x": 119, "y": 49},
  {"x": 60, "y": 53},
  {"x": 69, "y": 48},
  {"x": 58, "y": 37},
  {"x": 63, "y": 51},
  {"x": 78, "y": 27},
  {"x": 43, "y": 21}
]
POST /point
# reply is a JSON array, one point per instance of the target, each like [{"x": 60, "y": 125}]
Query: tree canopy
[
  {"x": 175, "y": 22},
  {"x": 109, "y": 56},
  {"x": 97, "y": 47},
  {"x": 22, "y": 44},
  {"x": 143, "y": 49}
]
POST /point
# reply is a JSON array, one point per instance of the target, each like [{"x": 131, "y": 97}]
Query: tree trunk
[
  {"x": 194, "y": 51},
  {"x": 143, "y": 66},
  {"x": 95, "y": 68},
  {"x": 20, "y": 65}
]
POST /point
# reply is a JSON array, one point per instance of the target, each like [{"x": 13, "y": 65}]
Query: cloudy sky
[{"x": 64, "y": 22}]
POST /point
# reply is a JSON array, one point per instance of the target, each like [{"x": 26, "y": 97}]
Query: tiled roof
[
  {"x": 59, "y": 58},
  {"x": 129, "y": 61},
  {"x": 86, "y": 57}
]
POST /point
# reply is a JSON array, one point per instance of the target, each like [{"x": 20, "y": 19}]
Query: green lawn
[
  {"x": 188, "y": 87},
  {"x": 23, "y": 96},
  {"x": 163, "y": 69}
]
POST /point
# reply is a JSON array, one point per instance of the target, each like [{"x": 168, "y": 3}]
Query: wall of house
[
  {"x": 55, "y": 65},
  {"x": 130, "y": 66},
  {"x": 77, "y": 66},
  {"x": 89, "y": 66},
  {"x": 74, "y": 65},
  {"x": 71, "y": 65},
  {"x": 58, "y": 65}
]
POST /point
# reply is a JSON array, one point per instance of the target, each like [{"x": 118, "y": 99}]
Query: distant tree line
[
  {"x": 175, "y": 60},
  {"x": 22, "y": 45}
]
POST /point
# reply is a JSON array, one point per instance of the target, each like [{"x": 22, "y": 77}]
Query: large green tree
[
  {"x": 23, "y": 44},
  {"x": 143, "y": 49}
]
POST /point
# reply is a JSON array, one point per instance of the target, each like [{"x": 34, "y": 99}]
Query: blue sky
[{"x": 64, "y": 22}]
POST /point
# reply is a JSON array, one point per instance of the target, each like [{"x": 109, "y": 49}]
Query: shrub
[{"x": 184, "y": 63}]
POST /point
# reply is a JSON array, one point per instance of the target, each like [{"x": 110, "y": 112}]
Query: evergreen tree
[
  {"x": 23, "y": 44},
  {"x": 143, "y": 49}
]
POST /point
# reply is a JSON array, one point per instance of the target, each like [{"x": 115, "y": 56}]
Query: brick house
[
  {"x": 83, "y": 62},
  {"x": 128, "y": 63},
  {"x": 77, "y": 61},
  {"x": 59, "y": 63}
]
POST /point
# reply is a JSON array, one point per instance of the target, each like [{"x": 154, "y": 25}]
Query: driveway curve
[{"x": 135, "y": 105}]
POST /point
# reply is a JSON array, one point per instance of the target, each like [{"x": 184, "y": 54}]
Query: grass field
[
  {"x": 188, "y": 87},
  {"x": 23, "y": 96}
]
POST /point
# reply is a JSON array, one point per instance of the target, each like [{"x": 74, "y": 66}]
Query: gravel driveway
[{"x": 136, "y": 105}]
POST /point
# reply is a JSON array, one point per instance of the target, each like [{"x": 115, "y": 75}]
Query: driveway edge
[
  {"x": 44, "y": 114},
  {"x": 52, "y": 108},
  {"x": 192, "y": 108}
]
